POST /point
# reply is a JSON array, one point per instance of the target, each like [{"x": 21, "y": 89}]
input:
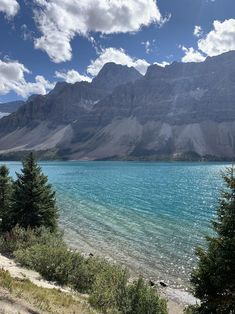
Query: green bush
[
  {"x": 19, "y": 239},
  {"x": 84, "y": 275},
  {"x": 53, "y": 263},
  {"x": 58, "y": 263},
  {"x": 109, "y": 292},
  {"x": 144, "y": 299}
]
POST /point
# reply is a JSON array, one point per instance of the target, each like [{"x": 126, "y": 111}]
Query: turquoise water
[{"x": 149, "y": 216}]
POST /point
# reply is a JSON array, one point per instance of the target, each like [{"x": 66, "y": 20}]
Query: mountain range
[{"x": 180, "y": 111}]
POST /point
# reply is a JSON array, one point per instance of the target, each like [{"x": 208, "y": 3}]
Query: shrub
[
  {"x": 144, "y": 299},
  {"x": 54, "y": 263},
  {"x": 19, "y": 239},
  {"x": 58, "y": 263},
  {"x": 84, "y": 275},
  {"x": 107, "y": 283},
  {"x": 109, "y": 291}
]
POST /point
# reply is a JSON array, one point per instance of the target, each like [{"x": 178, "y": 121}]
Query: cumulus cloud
[
  {"x": 197, "y": 31},
  {"x": 192, "y": 55},
  {"x": 12, "y": 78},
  {"x": 221, "y": 39},
  {"x": 9, "y": 7},
  {"x": 72, "y": 76},
  {"x": 118, "y": 56},
  {"x": 59, "y": 21}
]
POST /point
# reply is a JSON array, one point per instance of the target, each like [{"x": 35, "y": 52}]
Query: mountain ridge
[{"x": 184, "y": 109}]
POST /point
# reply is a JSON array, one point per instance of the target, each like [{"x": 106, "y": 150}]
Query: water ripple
[{"x": 149, "y": 216}]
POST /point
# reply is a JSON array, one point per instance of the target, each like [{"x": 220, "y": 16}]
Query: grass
[{"x": 43, "y": 299}]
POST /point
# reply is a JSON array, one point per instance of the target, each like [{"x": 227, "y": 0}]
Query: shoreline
[{"x": 178, "y": 298}]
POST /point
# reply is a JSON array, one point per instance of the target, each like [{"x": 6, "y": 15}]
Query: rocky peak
[{"x": 112, "y": 75}]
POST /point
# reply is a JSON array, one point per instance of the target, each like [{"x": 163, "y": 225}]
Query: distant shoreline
[{"x": 19, "y": 157}]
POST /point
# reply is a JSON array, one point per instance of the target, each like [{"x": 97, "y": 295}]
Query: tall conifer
[
  {"x": 214, "y": 278},
  {"x": 5, "y": 195},
  {"x": 33, "y": 202}
]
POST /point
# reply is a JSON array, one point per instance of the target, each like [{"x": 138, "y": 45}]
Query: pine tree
[
  {"x": 5, "y": 195},
  {"x": 33, "y": 201},
  {"x": 214, "y": 277}
]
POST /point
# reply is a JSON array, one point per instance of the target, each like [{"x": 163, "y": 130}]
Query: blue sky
[{"x": 43, "y": 41}]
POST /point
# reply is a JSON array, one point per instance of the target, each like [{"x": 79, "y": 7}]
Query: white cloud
[
  {"x": 118, "y": 56},
  {"x": 12, "y": 78},
  {"x": 72, "y": 76},
  {"x": 221, "y": 39},
  {"x": 197, "y": 31},
  {"x": 9, "y": 7},
  {"x": 192, "y": 55},
  {"x": 60, "y": 20},
  {"x": 162, "y": 64}
]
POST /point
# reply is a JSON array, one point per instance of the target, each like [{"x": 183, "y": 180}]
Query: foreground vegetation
[
  {"x": 106, "y": 283},
  {"x": 48, "y": 301},
  {"x": 30, "y": 234}
]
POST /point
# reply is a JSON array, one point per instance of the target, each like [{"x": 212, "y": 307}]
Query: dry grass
[{"x": 42, "y": 299}]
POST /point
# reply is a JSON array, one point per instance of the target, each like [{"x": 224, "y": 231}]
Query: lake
[{"x": 148, "y": 216}]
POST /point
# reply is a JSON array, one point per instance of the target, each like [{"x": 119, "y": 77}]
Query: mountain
[
  {"x": 113, "y": 75},
  {"x": 185, "y": 110},
  {"x": 9, "y": 107}
]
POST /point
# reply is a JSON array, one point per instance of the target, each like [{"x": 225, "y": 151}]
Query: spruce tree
[
  {"x": 5, "y": 195},
  {"x": 33, "y": 201},
  {"x": 214, "y": 277}
]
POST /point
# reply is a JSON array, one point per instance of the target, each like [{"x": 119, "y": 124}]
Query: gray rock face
[
  {"x": 172, "y": 111},
  {"x": 113, "y": 75}
]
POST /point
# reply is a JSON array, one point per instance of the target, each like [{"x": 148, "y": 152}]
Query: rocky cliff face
[{"x": 182, "y": 109}]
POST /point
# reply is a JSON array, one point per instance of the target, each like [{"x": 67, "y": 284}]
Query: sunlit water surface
[{"x": 149, "y": 216}]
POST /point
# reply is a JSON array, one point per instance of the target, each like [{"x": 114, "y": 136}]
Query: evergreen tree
[
  {"x": 5, "y": 195},
  {"x": 214, "y": 278},
  {"x": 33, "y": 201}
]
